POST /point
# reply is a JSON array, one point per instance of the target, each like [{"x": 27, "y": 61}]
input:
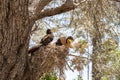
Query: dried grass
[
  {"x": 51, "y": 57},
  {"x": 47, "y": 58}
]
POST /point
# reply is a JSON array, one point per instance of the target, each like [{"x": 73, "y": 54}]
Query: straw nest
[{"x": 46, "y": 59}]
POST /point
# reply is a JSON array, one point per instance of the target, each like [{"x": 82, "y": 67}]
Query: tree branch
[
  {"x": 69, "y": 5},
  {"x": 38, "y": 8},
  {"x": 41, "y": 5},
  {"x": 117, "y": 0}
]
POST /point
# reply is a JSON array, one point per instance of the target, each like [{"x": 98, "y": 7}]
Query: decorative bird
[
  {"x": 44, "y": 41},
  {"x": 65, "y": 41}
]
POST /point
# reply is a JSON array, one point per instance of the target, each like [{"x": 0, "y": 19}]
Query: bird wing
[
  {"x": 43, "y": 38},
  {"x": 47, "y": 39},
  {"x": 33, "y": 49},
  {"x": 61, "y": 41}
]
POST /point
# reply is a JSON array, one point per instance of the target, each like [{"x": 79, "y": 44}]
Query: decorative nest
[{"x": 46, "y": 59}]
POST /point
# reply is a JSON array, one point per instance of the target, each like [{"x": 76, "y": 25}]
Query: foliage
[
  {"x": 79, "y": 77},
  {"x": 84, "y": 45},
  {"x": 49, "y": 76},
  {"x": 109, "y": 59},
  {"x": 104, "y": 78}
]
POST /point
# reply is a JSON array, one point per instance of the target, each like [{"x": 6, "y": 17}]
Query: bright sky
[{"x": 73, "y": 75}]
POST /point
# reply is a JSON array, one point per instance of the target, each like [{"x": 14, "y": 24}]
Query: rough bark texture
[
  {"x": 96, "y": 41},
  {"x": 14, "y": 37},
  {"x": 15, "y": 27}
]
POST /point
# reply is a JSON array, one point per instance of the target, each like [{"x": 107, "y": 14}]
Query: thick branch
[
  {"x": 117, "y": 0},
  {"x": 41, "y": 5},
  {"x": 35, "y": 6},
  {"x": 53, "y": 11}
]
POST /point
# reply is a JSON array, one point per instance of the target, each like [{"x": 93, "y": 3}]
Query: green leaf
[{"x": 104, "y": 78}]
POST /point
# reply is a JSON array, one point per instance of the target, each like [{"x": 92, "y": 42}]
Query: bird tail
[{"x": 33, "y": 49}]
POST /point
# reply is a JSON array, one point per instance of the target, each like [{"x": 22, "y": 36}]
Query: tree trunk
[
  {"x": 14, "y": 38},
  {"x": 15, "y": 27},
  {"x": 96, "y": 41}
]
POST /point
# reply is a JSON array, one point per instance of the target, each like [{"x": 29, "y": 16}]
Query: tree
[
  {"x": 96, "y": 20},
  {"x": 15, "y": 27}
]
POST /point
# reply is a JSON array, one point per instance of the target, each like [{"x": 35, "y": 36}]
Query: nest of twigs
[{"x": 46, "y": 59}]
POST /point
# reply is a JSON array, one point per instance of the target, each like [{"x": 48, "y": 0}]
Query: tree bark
[
  {"x": 15, "y": 27},
  {"x": 96, "y": 41},
  {"x": 14, "y": 38}
]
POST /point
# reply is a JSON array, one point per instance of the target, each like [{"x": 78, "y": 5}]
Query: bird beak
[
  {"x": 53, "y": 29},
  {"x": 70, "y": 41}
]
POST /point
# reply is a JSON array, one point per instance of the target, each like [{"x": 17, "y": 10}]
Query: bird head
[
  {"x": 49, "y": 31},
  {"x": 69, "y": 40}
]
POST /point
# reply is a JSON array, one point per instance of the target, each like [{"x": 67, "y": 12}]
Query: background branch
[
  {"x": 117, "y": 0},
  {"x": 41, "y": 5},
  {"x": 67, "y": 6}
]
